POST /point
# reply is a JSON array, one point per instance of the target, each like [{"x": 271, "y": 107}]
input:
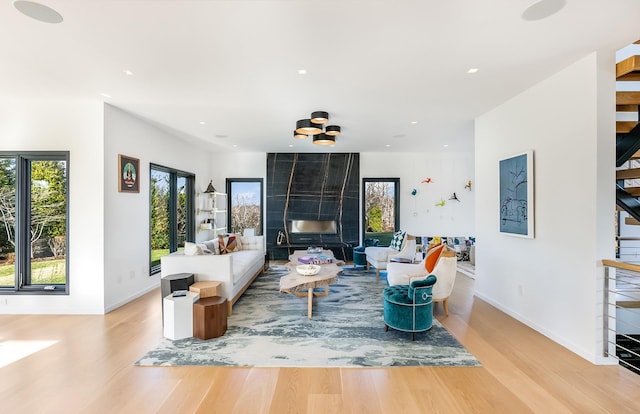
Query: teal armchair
[{"x": 409, "y": 308}]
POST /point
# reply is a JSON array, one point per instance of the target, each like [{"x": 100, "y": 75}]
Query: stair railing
[{"x": 621, "y": 313}]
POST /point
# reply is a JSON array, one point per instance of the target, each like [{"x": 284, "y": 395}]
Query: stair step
[
  {"x": 623, "y": 127},
  {"x": 628, "y": 69},
  {"x": 627, "y": 98},
  {"x": 633, "y": 191},
  {"x": 635, "y": 156},
  {"x": 630, "y": 221},
  {"x": 627, "y": 108},
  {"x": 628, "y": 174}
]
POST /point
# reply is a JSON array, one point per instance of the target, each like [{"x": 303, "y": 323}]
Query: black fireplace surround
[{"x": 312, "y": 200}]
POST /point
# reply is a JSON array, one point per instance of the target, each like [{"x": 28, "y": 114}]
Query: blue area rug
[{"x": 271, "y": 329}]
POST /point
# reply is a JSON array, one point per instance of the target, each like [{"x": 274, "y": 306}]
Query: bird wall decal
[
  {"x": 454, "y": 197},
  {"x": 427, "y": 180},
  {"x": 468, "y": 186},
  {"x": 441, "y": 203}
]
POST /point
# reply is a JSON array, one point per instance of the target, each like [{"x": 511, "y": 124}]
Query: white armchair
[
  {"x": 378, "y": 257},
  {"x": 445, "y": 271}
]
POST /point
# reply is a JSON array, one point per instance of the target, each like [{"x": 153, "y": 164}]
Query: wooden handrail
[{"x": 621, "y": 265}]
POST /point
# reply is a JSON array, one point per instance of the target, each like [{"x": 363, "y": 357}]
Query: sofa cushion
[
  {"x": 192, "y": 249},
  {"x": 242, "y": 261},
  {"x": 227, "y": 243},
  {"x": 252, "y": 243},
  {"x": 378, "y": 254}
]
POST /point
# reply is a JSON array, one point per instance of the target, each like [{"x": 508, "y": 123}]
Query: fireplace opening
[{"x": 313, "y": 226}]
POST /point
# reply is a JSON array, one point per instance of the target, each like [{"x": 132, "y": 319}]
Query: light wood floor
[{"x": 86, "y": 366}]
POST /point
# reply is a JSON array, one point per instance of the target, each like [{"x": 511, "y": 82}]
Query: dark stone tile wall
[{"x": 308, "y": 186}]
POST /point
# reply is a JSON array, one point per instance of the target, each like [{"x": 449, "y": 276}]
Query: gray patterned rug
[{"x": 271, "y": 329}]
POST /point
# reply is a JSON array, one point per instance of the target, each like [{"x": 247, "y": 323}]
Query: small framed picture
[{"x": 128, "y": 174}]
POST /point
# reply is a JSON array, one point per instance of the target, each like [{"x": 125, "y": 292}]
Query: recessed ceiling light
[
  {"x": 290, "y": 145},
  {"x": 388, "y": 145},
  {"x": 302, "y": 71},
  {"x": 542, "y": 9},
  {"x": 473, "y": 70},
  {"x": 106, "y": 95},
  {"x": 202, "y": 122},
  {"x": 37, "y": 11},
  {"x": 414, "y": 122},
  {"x": 445, "y": 145},
  {"x": 235, "y": 145},
  {"x": 127, "y": 72}
]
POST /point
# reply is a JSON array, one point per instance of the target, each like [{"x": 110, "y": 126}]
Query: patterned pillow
[
  {"x": 227, "y": 243},
  {"x": 398, "y": 238}
]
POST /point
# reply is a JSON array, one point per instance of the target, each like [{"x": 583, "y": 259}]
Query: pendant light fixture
[
  {"x": 323, "y": 139},
  {"x": 306, "y": 127},
  {"x": 315, "y": 125}
]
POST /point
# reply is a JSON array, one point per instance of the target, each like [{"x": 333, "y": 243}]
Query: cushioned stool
[{"x": 409, "y": 308}]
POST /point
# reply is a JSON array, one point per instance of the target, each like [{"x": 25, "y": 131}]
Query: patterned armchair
[{"x": 409, "y": 308}]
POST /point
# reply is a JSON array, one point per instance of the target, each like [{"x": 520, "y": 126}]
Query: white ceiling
[{"x": 375, "y": 66}]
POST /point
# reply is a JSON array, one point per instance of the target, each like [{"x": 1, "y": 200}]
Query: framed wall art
[
  {"x": 128, "y": 174},
  {"x": 516, "y": 195}
]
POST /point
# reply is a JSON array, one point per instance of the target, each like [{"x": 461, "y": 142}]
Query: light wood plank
[
  {"x": 627, "y": 108},
  {"x": 628, "y": 69},
  {"x": 624, "y": 127},
  {"x": 628, "y": 174},
  {"x": 627, "y": 98},
  {"x": 87, "y": 366}
]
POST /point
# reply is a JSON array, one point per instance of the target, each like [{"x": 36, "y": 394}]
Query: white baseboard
[{"x": 135, "y": 295}]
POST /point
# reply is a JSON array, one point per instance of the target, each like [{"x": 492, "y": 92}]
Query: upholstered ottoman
[{"x": 409, "y": 308}]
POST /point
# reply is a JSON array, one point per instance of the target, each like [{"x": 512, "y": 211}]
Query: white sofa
[
  {"x": 234, "y": 270},
  {"x": 378, "y": 257}
]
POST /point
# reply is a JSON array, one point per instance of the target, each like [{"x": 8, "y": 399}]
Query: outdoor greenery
[
  {"x": 245, "y": 214},
  {"x": 47, "y": 214},
  {"x": 379, "y": 206}
]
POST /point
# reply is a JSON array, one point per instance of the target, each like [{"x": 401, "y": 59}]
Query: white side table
[{"x": 178, "y": 315}]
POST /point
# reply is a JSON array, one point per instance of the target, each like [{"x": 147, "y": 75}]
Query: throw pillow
[
  {"x": 398, "y": 238},
  {"x": 238, "y": 241},
  {"x": 432, "y": 257},
  {"x": 227, "y": 244},
  {"x": 192, "y": 249},
  {"x": 203, "y": 247}
]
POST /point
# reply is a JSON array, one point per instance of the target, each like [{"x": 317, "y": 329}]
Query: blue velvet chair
[
  {"x": 409, "y": 308},
  {"x": 359, "y": 256}
]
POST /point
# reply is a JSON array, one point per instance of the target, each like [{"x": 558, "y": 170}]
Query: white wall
[
  {"x": 126, "y": 215},
  {"x": 74, "y": 126},
  {"x": 449, "y": 172},
  {"x": 569, "y": 122}
]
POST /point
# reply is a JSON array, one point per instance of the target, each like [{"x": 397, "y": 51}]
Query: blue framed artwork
[{"x": 516, "y": 195}]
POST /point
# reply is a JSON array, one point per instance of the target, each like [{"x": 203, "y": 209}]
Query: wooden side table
[
  {"x": 210, "y": 317},
  {"x": 206, "y": 288}
]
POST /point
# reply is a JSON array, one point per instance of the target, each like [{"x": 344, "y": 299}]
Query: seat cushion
[{"x": 378, "y": 254}]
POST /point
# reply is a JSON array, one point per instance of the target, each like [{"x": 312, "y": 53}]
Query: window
[
  {"x": 244, "y": 198},
  {"x": 34, "y": 217},
  {"x": 171, "y": 209},
  {"x": 381, "y": 208}
]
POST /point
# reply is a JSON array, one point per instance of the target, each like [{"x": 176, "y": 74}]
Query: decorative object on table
[
  {"x": 308, "y": 269},
  {"x": 314, "y": 250},
  {"x": 128, "y": 174},
  {"x": 468, "y": 185},
  {"x": 317, "y": 260},
  {"x": 427, "y": 180},
  {"x": 346, "y": 331},
  {"x": 516, "y": 195},
  {"x": 441, "y": 203},
  {"x": 454, "y": 197},
  {"x": 179, "y": 293}
]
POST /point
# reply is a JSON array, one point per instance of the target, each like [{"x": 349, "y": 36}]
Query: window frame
[
  {"x": 22, "y": 261},
  {"x": 396, "y": 195},
  {"x": 190, "y": 227},
  {"x": 229, "y": 183}
]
